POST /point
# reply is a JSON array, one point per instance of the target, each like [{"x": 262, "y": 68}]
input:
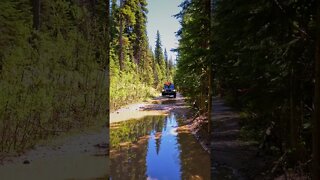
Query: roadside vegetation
[
  {"x": 136, "y": 71},
  {"x": 194, "y": 56},
  {"x": 260, "y": 56},
  {"x": 53, "y": 69}
]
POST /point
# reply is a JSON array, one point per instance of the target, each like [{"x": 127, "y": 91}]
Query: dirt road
[
  {"x": 231, "y": 157},
  {"x": 156, "y": 106}
]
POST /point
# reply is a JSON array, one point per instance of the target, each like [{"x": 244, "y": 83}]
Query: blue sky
[{"x": 160, "y": 17}]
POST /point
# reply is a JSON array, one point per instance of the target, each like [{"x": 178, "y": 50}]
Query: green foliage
[
  {"x": 144, "y": 72},
  {"x": 192, "y": 65},
  {"x": 158, "y": 53},
  {"x": 262, "y": 54},
  {"x": 266, "y": 68},
  {"x": 53, "y": 79}
]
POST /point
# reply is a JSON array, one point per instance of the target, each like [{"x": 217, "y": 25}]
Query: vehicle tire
[{"x": 174, "y": 96}]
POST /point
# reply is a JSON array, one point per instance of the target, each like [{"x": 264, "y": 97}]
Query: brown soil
[{"x": 156, "y": 106}]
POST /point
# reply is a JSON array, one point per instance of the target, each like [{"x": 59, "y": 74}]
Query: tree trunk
[
  {"x": 121, "y": 38},
  {"x": 316, "y": 120},
  {"x": 93, "y": 7},
  {"x": 108, "y": 26},
  {"x": 210, "y": 98},
  {"x": 210, "y": 70},
  {"x": 293, "y": 138},
  {"x": 36, "y": 14}
]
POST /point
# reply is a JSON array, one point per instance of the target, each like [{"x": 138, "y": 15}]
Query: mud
[
  {"x": 157, "y": 106},
  {"x": 83, "y": 155}
]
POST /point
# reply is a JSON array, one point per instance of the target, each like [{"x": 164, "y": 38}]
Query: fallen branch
[{"x": 280, "y": 160}]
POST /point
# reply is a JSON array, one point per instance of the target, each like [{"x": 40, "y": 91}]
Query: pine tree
[
  {"x": 158, "y": 52},
  {"x": 140, "y": 71},
  {"x": 193, "y": 50},
  {"x": 140, "y": 43}
]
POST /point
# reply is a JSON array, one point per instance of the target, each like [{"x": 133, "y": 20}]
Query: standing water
[{"x": 151, "y": 148}]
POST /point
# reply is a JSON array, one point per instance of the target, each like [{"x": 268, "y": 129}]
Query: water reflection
[{"x": 150, "y": 148}]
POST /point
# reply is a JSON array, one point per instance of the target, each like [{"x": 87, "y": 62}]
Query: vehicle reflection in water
[{"x": 150, "y": 148}]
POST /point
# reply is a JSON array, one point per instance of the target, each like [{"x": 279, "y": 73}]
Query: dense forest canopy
[
  {"x": 260, "y": 56},
  {"x": 53, "y": 68},
  {"x": 136, "y": 71}
]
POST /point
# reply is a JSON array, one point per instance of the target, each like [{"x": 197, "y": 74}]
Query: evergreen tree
[
  {"x": 158, "y": 52},
  {"x": 140, "y": 43},
  {"x": 140, "y": 73},
  {"x": 193, "y": 50},
  {"x": 258, "y": 50}
]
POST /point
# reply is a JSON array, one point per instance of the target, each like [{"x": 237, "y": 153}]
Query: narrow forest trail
[{"x": 231, "y": 157}]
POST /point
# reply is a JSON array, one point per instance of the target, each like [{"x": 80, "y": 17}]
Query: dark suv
[{"x": 168, "y": 89}]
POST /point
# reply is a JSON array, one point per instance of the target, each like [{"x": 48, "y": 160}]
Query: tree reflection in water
[{"x": 150, "y": 147}]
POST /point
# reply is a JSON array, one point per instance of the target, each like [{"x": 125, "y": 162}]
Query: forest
[
  {"x": 263, "y": 58},
  {"x": 137, "y": 72},
  {"x": 53, "y": 69}
]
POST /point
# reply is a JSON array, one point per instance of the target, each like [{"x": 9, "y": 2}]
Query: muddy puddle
[
  {"x": 81, "y": 156},
  {"x": 150, "y": 148}
]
